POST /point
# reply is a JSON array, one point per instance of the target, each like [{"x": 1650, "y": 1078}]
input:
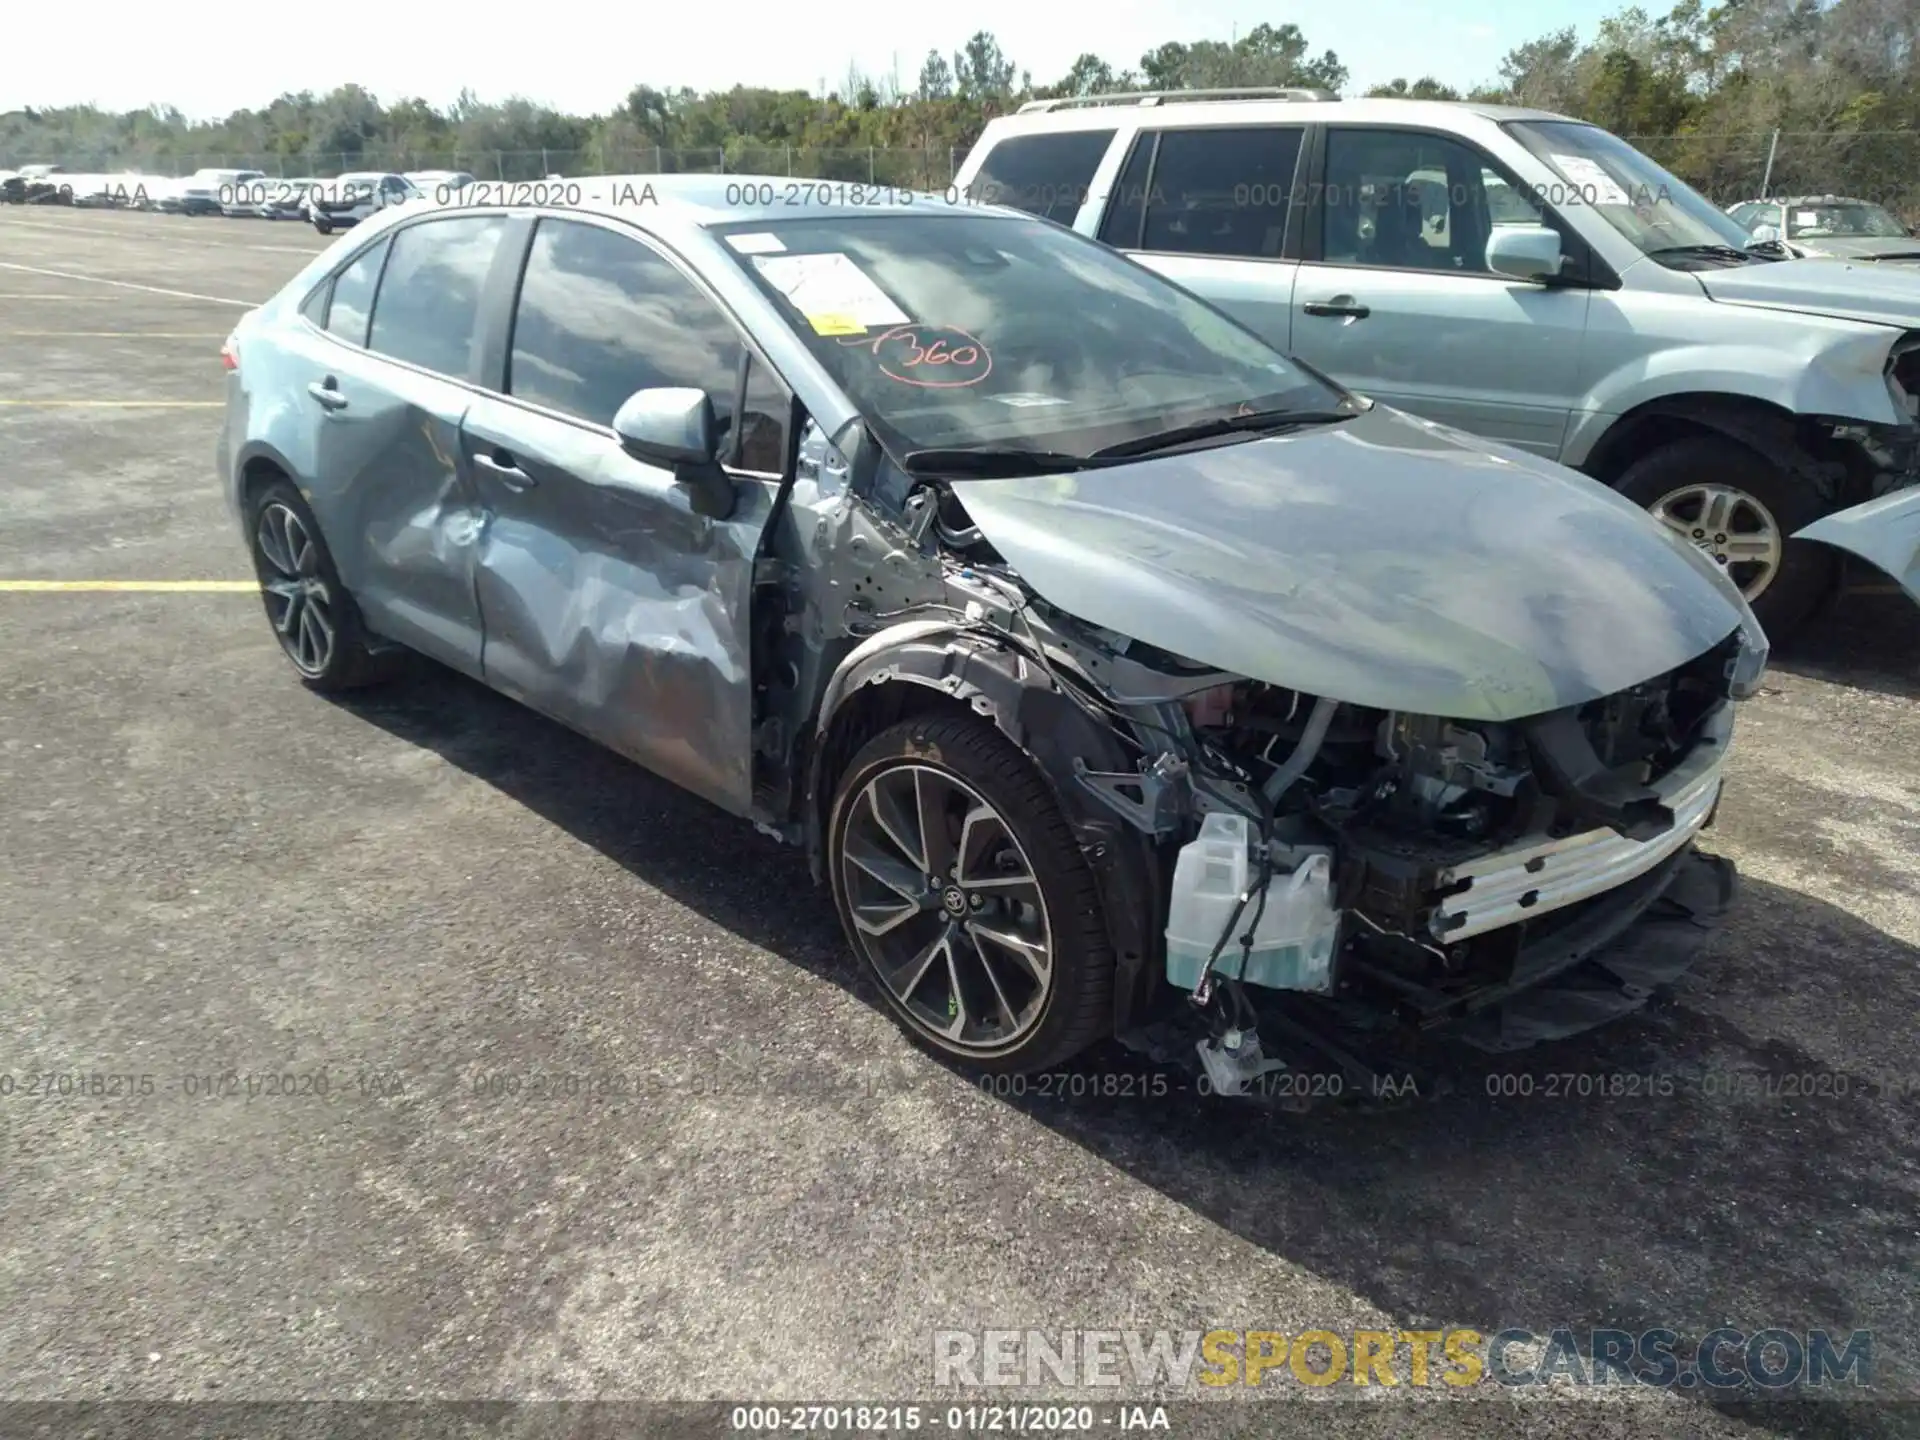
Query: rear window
[
  {"x": 1045, "y": 175},
  {"x": 427, "y": 312},
  {"x": 352, "y": 298}
]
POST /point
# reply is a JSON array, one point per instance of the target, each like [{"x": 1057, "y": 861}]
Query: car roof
[
  {"x": 1098, "y": 113},
  {"x": 708, "y": 200}
]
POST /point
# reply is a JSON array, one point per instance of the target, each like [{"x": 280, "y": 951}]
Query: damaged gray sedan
[{"x": 1122, "y": 676}]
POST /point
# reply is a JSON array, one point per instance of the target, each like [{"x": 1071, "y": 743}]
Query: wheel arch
[
  {"x": 1800, "y": 446},
  {"x": 935, "y": 668}
]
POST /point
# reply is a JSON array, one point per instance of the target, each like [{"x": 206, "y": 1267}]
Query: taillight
[{"x": 230, "y": 354}]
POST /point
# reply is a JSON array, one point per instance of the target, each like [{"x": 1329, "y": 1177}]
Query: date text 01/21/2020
[
  {"x": 1039, "y": 1419},
  {"x": 200, "y": 1084}
]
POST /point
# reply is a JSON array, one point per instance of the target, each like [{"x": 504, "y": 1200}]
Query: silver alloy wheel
[
  {"x": 298, "y": 601},
  {"x": 1729, "y": 525},
  {"x": 947, "y": 908}
]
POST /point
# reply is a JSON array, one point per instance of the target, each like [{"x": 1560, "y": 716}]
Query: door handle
[
  {"x": 503, "y": 467},
  {"x": 327, "y": 392},
  {"x": 1342, "y": 305}
]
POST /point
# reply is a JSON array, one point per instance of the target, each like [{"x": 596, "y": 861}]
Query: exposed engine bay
[{"x": 1414, "y": 866}]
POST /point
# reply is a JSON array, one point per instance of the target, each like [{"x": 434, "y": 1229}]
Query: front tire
[
  {"x": 962, "y": 890},
  {"x": 1741, "y": 509},
  {"x": 325, "y": 227},
  {"x": 313, "y": 617}
]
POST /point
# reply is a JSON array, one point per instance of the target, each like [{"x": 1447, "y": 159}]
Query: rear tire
[
  {"x": 965, "y": 895},
  {"x": 1759, "y": 507},
  {"x": 314, "y": 618}
]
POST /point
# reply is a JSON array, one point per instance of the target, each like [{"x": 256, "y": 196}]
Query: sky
[{"x": 210, "y": 57}]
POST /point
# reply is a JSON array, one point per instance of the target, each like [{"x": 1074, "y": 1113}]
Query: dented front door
[{"x": 610, "y": 605}]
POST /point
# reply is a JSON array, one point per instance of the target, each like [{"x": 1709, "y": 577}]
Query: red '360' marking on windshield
[{"x": 936, "y": 364}]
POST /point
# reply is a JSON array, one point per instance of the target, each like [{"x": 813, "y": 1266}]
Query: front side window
[
  {"x": 1405, "y": 200},
  {"x": 1663, "y": 217},
  {"x": 961, "y": 330},
  {"x": 353, "y": 291},
  {"x": 1044, "y": 175},
  {"x": 427, "y": 311},
  {"x": 602, "y": 315}
]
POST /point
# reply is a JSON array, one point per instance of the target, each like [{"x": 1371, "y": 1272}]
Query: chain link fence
[
  {"x": 930, "y": 168},
  {"x": 1880, "y": 166}
]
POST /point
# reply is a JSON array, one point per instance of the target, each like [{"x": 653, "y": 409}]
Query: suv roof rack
[{"x": 1162, "y": 97}]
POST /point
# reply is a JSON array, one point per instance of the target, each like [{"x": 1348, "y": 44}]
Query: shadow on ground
[
  {"x": 1869, "y": 641},
  {"x": 1706, "y": 1194}
]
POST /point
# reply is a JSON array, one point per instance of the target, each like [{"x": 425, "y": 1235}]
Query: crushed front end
[{"x": 1340, "y": 880}]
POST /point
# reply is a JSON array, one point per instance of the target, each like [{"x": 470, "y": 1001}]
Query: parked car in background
[
  {"x": 1884, "y": 532},
  {"x": 243, "y": 198},
  {"x": 1051, "y": 609},
  {"x": 441, "y": 185},
  {"x": 205, "y": 191},
  {"x": 340, "y": 203},
  {"x": 1518, "y": 275},
  {"x": 285, "y": 199},
  {"x": 1829, "y": 225}
]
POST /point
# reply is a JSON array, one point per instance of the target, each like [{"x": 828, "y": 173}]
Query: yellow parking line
[
  {"x": 210, "y": 587},
  {"x": 117, "y": 404}
]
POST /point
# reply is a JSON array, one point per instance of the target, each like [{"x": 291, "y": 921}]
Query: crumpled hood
[
  {"x": 1384, "y": 561},
  {"x": 1879, "y": 293},
  {"x": 1883, "y": 532}
]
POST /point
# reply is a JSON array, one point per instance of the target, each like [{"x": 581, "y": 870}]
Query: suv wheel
[
  {"x": 963, "y": 891},
  {"x": 318, "y": 625},
  {"x": 325, "y": 227},
  {"x": 1739, "y": 508}
]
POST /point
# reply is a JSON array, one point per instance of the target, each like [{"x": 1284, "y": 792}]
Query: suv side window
[
  {"x": 352, "y": 300},
  {"x": 602, "y": 315},
  {"x": 427, "y": 311},
  {"x": 1403, "y": 200},
  {"x": 1045, "y": 175},
  {"x": 1223, "y": 192}
]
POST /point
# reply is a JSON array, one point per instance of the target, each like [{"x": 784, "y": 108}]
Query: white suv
[{"x": 1517, "y": 274}]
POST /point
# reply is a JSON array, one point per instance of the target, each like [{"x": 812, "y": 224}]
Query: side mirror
[
  {"x": 1524, "y": 252},
  {"x": 1765, "y": 234},
  {"x": 674, "y": 428}
]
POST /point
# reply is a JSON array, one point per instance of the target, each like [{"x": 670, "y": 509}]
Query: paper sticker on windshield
[
  {"x": 1805, "y": 217},
  {"x": 836, "y": 325},
  {"x": 1597, "y": 187},
  {"x": 758, "y": 243},
  {"x": 831, "y": 289}
]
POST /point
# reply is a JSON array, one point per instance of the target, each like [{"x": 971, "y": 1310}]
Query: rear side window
[
  {"x": 602, "y": 315},
  {"x": 1045, "y": 175},
  {"x": 1219, "y": 192},
  {"x": 427, "y": 311},
  {"x": 353, "y": 291}
]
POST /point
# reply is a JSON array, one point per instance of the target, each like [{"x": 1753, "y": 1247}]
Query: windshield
[
  {"x": 957, "y": 331},
  {"x": 1652, "y": 208},
  {"x": 1845, "y": 219}
]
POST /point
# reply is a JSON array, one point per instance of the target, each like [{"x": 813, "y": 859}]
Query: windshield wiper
[
  {"x": 1704, "y": 252},
  {"x": 1770, "y": 250},
  {"x": 989, "y": 462},
  {"x": 1223, "y": 425}
]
